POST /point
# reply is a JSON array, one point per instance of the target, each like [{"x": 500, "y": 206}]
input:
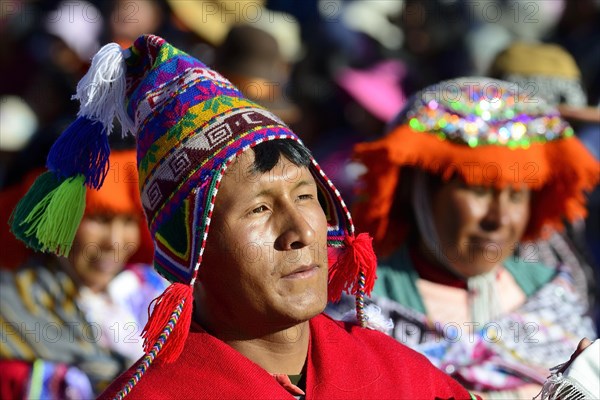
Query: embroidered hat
[
  {"x": 190, "y": 124},
  {"x": 487, "y": 132}
]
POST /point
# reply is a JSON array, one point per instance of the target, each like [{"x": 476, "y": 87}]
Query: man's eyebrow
[
  {"x": 305, "y": 182},
  {"x": 269, "y": 192}
]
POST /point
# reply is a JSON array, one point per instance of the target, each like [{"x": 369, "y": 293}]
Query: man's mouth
[{"x": 303, "y": 272}]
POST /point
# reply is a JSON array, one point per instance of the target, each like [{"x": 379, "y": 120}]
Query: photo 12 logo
[
  {"x": 467, "y": 332},
  {"x": 71, "y": 332}
]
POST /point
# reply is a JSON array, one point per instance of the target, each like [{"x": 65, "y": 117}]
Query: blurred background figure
[
  {"x": 78, "y": 27},
  {"x": 253, "y": 58},
  {"x": 369, "y": 98},
  {"x": 544, "y": 70},
  {"x": 470, "y": 168},
  {"x": 211, "y": 20},
  {"x": 498, "y": 23},
  {"x": 201, "y": 26},
  {"x": 550, "y": 72},
  {"x": 71, "y": 325},
  {"x": 128, "y": 19},
  {"x": 578, "y": 31},
  {"x": 46, "y": 45},
  {"x": 47, "y": 50},
  {"x": 377, "y": 90},
  {"x": 18, "y": 123}
]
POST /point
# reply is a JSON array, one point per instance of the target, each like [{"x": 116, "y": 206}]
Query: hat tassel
[
  {"x": 171, "y": 318},
  {"x": 354, "y": 272},
  {"x": 101, "y": 91},
  {"x": 53, "y": 226},
  {"x": 82, "y": 149},
  {"x": 48, "y": 216}
]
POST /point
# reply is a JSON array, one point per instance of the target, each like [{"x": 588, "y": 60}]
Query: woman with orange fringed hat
[
  {"x": 469, "y": 168},
  {"x": 71, "y": 324}
]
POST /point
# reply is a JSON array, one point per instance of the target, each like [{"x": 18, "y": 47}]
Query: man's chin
[{"x": 306, "y": 312}]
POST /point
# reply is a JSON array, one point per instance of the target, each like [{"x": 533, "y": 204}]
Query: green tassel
[
  {"x": 43, "y": 185},
  {"x": 54, "y": 220}
]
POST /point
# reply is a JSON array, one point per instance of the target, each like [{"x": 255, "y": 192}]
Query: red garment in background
[{"x": 15, "y": 379}]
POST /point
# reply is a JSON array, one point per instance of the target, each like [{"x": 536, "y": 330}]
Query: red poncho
[{"x": 344, "y": 362}]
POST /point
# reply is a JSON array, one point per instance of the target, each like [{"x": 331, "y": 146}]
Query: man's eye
[
  {"x": 306, "y": 197},
  {"x": 259, "y": 210}
]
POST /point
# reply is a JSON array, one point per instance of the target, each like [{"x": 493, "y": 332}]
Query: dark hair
[
  {"x": 402, "y": 211},
  {"x": 267, "y": 154}
]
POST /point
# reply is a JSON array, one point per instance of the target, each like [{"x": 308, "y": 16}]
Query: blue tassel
[{"x": 81, "y": 149}]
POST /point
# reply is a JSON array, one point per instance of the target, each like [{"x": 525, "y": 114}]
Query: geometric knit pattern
[{"x": 191, "y": 123}]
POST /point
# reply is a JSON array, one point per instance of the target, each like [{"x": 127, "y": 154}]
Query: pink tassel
[
  {"x": 357, "y": 256},
  {"x": 170, "y": 322}
]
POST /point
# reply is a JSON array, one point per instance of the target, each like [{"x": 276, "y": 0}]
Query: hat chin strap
[{"x": 482, "y": 294}]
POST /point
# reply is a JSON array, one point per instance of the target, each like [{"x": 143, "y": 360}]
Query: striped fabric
[{"x": 40, "y": 320}]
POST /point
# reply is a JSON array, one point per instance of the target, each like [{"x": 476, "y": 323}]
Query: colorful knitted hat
[
  {"x": 190, "y": 124},
  {"x": 487, "y": 132}
]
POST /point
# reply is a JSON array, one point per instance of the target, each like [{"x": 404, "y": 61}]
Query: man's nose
[{"x": 296, "y": 231}]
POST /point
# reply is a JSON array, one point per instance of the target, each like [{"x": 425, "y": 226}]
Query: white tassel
[
  {"x": 375, "y": 319},
  {"x": 581, "y": 380},
  {"x": 557, "y": 387},
  {"x": 101, "y": 91}
]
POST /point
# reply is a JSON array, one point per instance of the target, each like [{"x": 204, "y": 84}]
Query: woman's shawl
[
  {"x": 517, "y": 348},
  {"x": 44, "y": 325}
]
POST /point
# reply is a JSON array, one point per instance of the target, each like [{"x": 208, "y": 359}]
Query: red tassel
[
  {"x": 357, "y": 256},
  {"x": 170, "y": 319}
]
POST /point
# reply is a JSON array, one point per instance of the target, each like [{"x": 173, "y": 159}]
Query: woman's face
[
  {"x": 102, "y": 246},
  {"x": 479, "y": 227}
]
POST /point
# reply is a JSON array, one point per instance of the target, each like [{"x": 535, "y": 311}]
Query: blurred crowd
[{"x": 336, "y": 71}]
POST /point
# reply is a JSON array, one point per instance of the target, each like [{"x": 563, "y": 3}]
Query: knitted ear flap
[{"x": 47, "y": 218}]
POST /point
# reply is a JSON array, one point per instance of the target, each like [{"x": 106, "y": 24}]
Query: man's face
[{"x": 265, "y": 262}]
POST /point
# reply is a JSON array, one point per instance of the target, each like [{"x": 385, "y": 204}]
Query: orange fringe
[{"x": 560, "y": 172}]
